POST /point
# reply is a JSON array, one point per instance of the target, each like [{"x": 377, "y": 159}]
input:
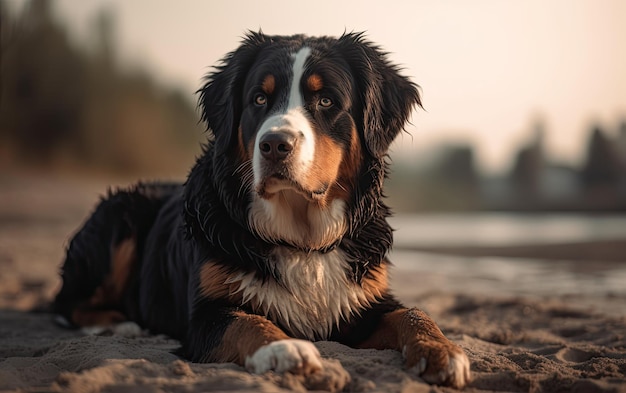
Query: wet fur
[{"x": 200, "y": 271}]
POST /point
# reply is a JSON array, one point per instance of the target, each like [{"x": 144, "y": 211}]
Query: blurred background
[
  {"x": 519, "y": 153},
  {"x": 525, "y": 104}
]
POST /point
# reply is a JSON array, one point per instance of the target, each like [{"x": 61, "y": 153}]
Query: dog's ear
[
  {"x": 221, "y": 97},
  {"x": 386, "y": 96}
]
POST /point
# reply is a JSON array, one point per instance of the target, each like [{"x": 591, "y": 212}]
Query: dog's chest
[{"x": 313, "y": 294}]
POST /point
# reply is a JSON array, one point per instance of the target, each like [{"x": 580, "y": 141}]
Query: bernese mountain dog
[{"x": 279, "y": 235}]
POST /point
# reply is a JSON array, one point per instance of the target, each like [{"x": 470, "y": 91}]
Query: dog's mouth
[{"x": 274, "y": 184}]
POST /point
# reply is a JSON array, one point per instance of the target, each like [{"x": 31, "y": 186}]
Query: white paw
[
  {"x": 127, "y": 329},
  {"x": 297, "y": 356},
  {"x": 459, "y": 370},
  {"x": 62, "y": 321},
  {"x": 124, "y": 329},
  {"x": 456, "y": 374}
]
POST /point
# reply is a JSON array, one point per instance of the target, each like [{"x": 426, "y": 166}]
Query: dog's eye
[
  {"x": 260, "y": 99},
  {"x": 326, "y": 102}
]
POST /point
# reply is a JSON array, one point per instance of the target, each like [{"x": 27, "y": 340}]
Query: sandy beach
[{"x": 517, "y": 340}]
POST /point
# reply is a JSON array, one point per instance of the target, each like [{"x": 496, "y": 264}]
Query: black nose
[{"x": 276, "y": 146}]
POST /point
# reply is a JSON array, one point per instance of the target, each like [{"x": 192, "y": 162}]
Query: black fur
[
  {"x": 179, "y": 228},
  {"x": 119, "y": 215}
]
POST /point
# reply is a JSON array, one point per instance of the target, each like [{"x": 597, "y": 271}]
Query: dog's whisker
[
  {"x": 243, "y": 165},
  {"x": 246, "y": 183},
  {"x": 341, "y": 186}
]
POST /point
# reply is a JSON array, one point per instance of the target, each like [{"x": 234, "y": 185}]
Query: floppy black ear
[
  {"x": 221, "y": 97},
  {"x": 386, "y": 96}
]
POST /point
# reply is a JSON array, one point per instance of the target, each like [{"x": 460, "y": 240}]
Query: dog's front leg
[
  {"x": 423, "y": 346},
  {"x": 223, "y": 334}
]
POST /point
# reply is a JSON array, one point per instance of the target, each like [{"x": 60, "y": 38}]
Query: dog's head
[{"x": 300, "y": 120}]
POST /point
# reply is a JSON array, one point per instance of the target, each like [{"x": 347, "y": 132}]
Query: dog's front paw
[
  {"x": 295, "y": 356},
  {"x": 442, "y": 363}
]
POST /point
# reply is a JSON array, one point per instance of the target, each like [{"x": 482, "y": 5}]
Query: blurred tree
[
  {"x": 42, "y": 90},
  {"x": 529, "y": 164},
  {"x": 452, "y": 183},
  {"x": 602, "y": 166},
  {"x": 621, "y": 146},
  {"x": 621, "y": 155},
  {"x": 457, "y": 167},
  {"x": 63, "y": 104},
  {"x": 105, "y": 37}
]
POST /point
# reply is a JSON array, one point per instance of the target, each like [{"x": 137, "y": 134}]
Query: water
[
  {"x": 497, "y": 229},
  {"x": 511, "y": 276}
]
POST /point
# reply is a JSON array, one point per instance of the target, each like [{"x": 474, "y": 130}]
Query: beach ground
[{"x": 516, "y": 341}]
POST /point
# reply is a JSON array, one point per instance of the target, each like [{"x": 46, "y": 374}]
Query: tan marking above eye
[
  {"x": 314, "y": 82},
  {"x": 269, "y": 84}
]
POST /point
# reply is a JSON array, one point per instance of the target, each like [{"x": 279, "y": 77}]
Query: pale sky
[{"x": 488, "y": 69}]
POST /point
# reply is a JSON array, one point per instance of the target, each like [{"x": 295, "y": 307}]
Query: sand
[{"x": 546, "y": 342}]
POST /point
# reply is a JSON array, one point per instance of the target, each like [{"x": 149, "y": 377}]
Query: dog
[{"x": 279, "y": 235}]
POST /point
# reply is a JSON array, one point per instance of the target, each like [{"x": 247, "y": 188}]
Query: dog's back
[{"x": 104, "y": 257}]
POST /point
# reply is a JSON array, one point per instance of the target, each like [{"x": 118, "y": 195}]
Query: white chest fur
[
  {"x": 312, "y": 295},
  {"x": 293, "y": 219}
]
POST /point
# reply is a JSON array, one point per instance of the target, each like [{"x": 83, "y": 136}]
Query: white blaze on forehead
[
  {"x": 292, "y": 117},
  {"x": 295, "y": 93},
  {"x": 296, "y": 114}
]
